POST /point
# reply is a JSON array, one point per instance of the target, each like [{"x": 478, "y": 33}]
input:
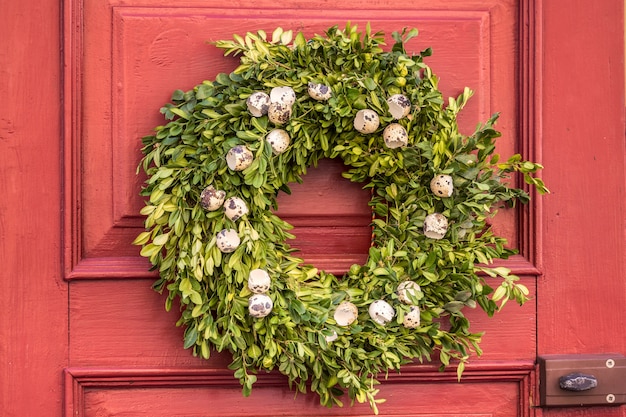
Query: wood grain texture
[
  {"x": 583, "y": 289},
  {"x": 33, "y": 299},
  {"x": 419, "y": 391},
  {"x": 115, "y": 322}
]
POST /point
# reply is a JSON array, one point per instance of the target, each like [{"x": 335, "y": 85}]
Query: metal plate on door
[{"x": 582, "y": 380}]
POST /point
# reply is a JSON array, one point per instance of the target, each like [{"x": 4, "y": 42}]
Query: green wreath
[{"x": 231, "y": 145}]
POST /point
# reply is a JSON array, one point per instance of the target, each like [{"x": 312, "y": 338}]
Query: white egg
[
  {"x": 412, "y": 318},
  {"x": 366, "y": 121},
  {"x": 259, "y": 281},
  {"x": 227, "y": 240},
  {"x": 279, "y": 113},
  {"x": 442, "y": 185},
  {"x": 283, "y": 95},
  {"x": 381, "y": 312},
  {"x": 395, "y": 136},
  {"x": 239, "y": 157},
  {"x": 260, "y": 305},
  {"x": 319, "y": 92},
  {"x": 235, "y": 207},
  {"x": 399, "y": 106},
  {"x": 345, "y": 314},
  {"x": 258, "y": 103},
  {"x": 212, "y": 199},
  {"x": 435, "y": 226},
  {"x": 279, "y": 140},
  {"x": 407, "y": 290}
]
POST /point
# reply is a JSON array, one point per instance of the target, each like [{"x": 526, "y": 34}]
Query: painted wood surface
[
  {"x": 583, "y": 289},
  {"x": 69, "y": 149},
  {"x": 33, "y": 299},
  {"x": 420, "y": 392}
]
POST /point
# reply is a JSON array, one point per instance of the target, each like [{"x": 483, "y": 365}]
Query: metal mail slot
[{"x": 582, "y": 380}]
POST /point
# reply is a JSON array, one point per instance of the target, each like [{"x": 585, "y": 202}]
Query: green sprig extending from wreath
[{"x": 232, "y": 144}]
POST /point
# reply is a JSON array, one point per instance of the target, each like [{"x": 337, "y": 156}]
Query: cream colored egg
[
  {"x": 279, "y": 140},
  {"x": 227, "y": 240},
  {"x": 239, "y": 158},
  {"x": 412, "y": 319},
  {"x": 442, "y": 185},
  {"x": 435, "y": 226},
  {"x": 258, "y": 103},
  {"x": 381, "y": 312},
  {"x": 366, "y": 121},
  {"x": 319, "y": 92},
  {"x": 395, "y": 136},
  {"x": 259, "y": 281},
  {"x": 235, "y": 207},
  {"x": 283, "y": 95},
  {"x": 279, "y": 113},
  {"x": 212, "y": 199},
  {"x": 407, "y": 290},
  {"x": 260, "y": 305},
  {"x": 345, "y": 314},
  {"x": 399, "y": 106}
]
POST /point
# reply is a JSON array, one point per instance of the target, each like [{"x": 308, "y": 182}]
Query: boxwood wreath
[{"x": 232, "y": 144}]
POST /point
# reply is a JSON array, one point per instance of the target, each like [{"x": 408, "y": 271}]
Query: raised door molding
[
  {"x": 123, "y": 60},
  {"x": 487, "y": 390}
]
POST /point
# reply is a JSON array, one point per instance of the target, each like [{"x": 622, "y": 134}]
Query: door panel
[
  {"x": 132, "y": 62},
  {"x": 126, "y": 355},
  {"x": 199, "y": 392},
  {"x": 122, "y": 323}
]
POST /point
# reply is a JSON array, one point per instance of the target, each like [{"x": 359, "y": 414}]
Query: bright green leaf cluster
[{"x": 187, "y": 154}]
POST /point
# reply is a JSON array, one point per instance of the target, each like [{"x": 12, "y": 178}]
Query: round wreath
[{"x": 232, "y": 144}]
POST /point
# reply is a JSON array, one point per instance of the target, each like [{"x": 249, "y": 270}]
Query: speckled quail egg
[
  {"x": 212, "y": 199},
  {"x": 395, "y": 136},
  {"x": 235, "y": 207},
  {"x": 345, "y": 314},
  {"x": 412, "y": 318},
  {"x": 366, "y": 121},
  {"x": 258, "y": 103},
  {"x": 381, "y": 312},
  {"x": 407, "y": 290},
  {"x": 442, "y": 185},
  {"x": 260, "y": 305},
  {"x": 259, "y": 281},
  {"x": 279, "y": 140},
  {"x": 239, "y": 157},
  {"x": 279, "y": 113},
  {"x": 399, "y": 106},
  {"x": 435, "y": 226},
  {"x": 283, "y": 95},
  {"x": 227, "y": 240},
  {"x": 319, "y": 92}
]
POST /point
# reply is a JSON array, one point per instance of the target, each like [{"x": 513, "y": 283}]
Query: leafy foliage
[{"x": 187, "y": 154}]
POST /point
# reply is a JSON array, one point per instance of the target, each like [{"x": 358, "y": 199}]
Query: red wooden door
[{"x": 83, "y": 335}]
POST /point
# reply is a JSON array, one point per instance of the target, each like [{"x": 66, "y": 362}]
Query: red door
[{"x": 84, "y": 335}]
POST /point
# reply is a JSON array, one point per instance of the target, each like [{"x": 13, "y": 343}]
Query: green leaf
[
  {"x": 160, "y": 240},
  {"x": 191, "y": 336},
  {"x": 370, "y": 84}
]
